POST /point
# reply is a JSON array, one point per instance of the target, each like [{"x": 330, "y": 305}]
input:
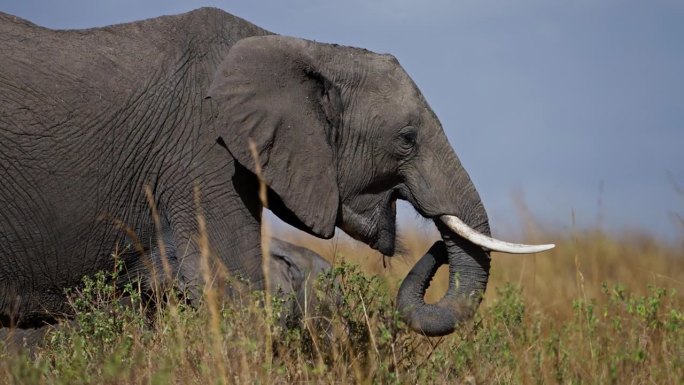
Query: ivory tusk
[{"x": 459, "y": 227}]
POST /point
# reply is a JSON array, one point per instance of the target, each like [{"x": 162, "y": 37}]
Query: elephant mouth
[{"x": 375, "y": 226}]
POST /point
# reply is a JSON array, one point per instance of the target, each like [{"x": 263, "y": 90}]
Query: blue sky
[{"x": 570, "y": 107}]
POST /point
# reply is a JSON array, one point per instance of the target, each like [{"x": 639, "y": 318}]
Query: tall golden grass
[
  {"x": 598, "y": 308},
  {"x": 579, "y": 265}
]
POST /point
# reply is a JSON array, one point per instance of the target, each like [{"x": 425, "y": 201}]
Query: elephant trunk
[
  {"x": 468, "y": 276},
  {"x": 466, "y": 250}
]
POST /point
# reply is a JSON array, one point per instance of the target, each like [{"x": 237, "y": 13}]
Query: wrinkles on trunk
[{"x": 468, "y": 275}]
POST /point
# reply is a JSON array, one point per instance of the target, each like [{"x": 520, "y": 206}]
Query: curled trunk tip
[{"x": 468, "y": 275}]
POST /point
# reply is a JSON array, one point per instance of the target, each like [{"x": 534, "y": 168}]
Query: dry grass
[
  {"x": 597, "y": 309},
  {"x": 576, "y": 268}
]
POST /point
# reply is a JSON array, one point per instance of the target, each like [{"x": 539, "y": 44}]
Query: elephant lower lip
[
  {"x": 384, "y": 240},
  {"x": 385, "y": 243},
  {"x": 375, "y": 227}
]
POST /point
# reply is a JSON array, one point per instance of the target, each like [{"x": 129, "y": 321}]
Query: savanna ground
[{"x": 598, "y": 309}]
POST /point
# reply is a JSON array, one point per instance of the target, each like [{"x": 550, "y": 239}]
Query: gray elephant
[
  {"x": 201, "y": 107},
  {"x": 294, "y": 271},
  {"x": 293, "y": 268}
]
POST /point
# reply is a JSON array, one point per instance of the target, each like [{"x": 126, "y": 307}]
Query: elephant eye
[{"x": 408, "y": 136}]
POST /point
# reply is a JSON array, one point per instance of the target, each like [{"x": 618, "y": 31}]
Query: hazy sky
[{"x": 569, "y": 106}]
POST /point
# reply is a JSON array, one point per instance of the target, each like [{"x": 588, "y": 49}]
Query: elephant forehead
[
  {"x": 393, "y": 99},
  {"x": 394, "y": 88}
]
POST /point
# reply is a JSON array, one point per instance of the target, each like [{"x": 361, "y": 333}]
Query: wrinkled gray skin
[{"x": 89, "y": 117}]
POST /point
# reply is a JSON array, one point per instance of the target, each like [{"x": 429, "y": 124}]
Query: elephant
[
  {"x": 162, "y": 141},
  {"x": 293, "y": 273}
]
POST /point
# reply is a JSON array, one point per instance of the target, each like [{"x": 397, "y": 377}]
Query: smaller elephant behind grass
[
  {"x": 293, "y": 274},
  {"x": 293, "y": 271}
]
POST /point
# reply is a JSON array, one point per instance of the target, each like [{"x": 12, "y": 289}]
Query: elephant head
[{"x": 341, "y": 133}]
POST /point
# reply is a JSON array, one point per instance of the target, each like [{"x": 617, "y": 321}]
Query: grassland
[{"x": 598, "y": 309}]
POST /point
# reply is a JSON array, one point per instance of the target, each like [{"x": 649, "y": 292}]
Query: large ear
[{"x": 269, "y": 90}]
